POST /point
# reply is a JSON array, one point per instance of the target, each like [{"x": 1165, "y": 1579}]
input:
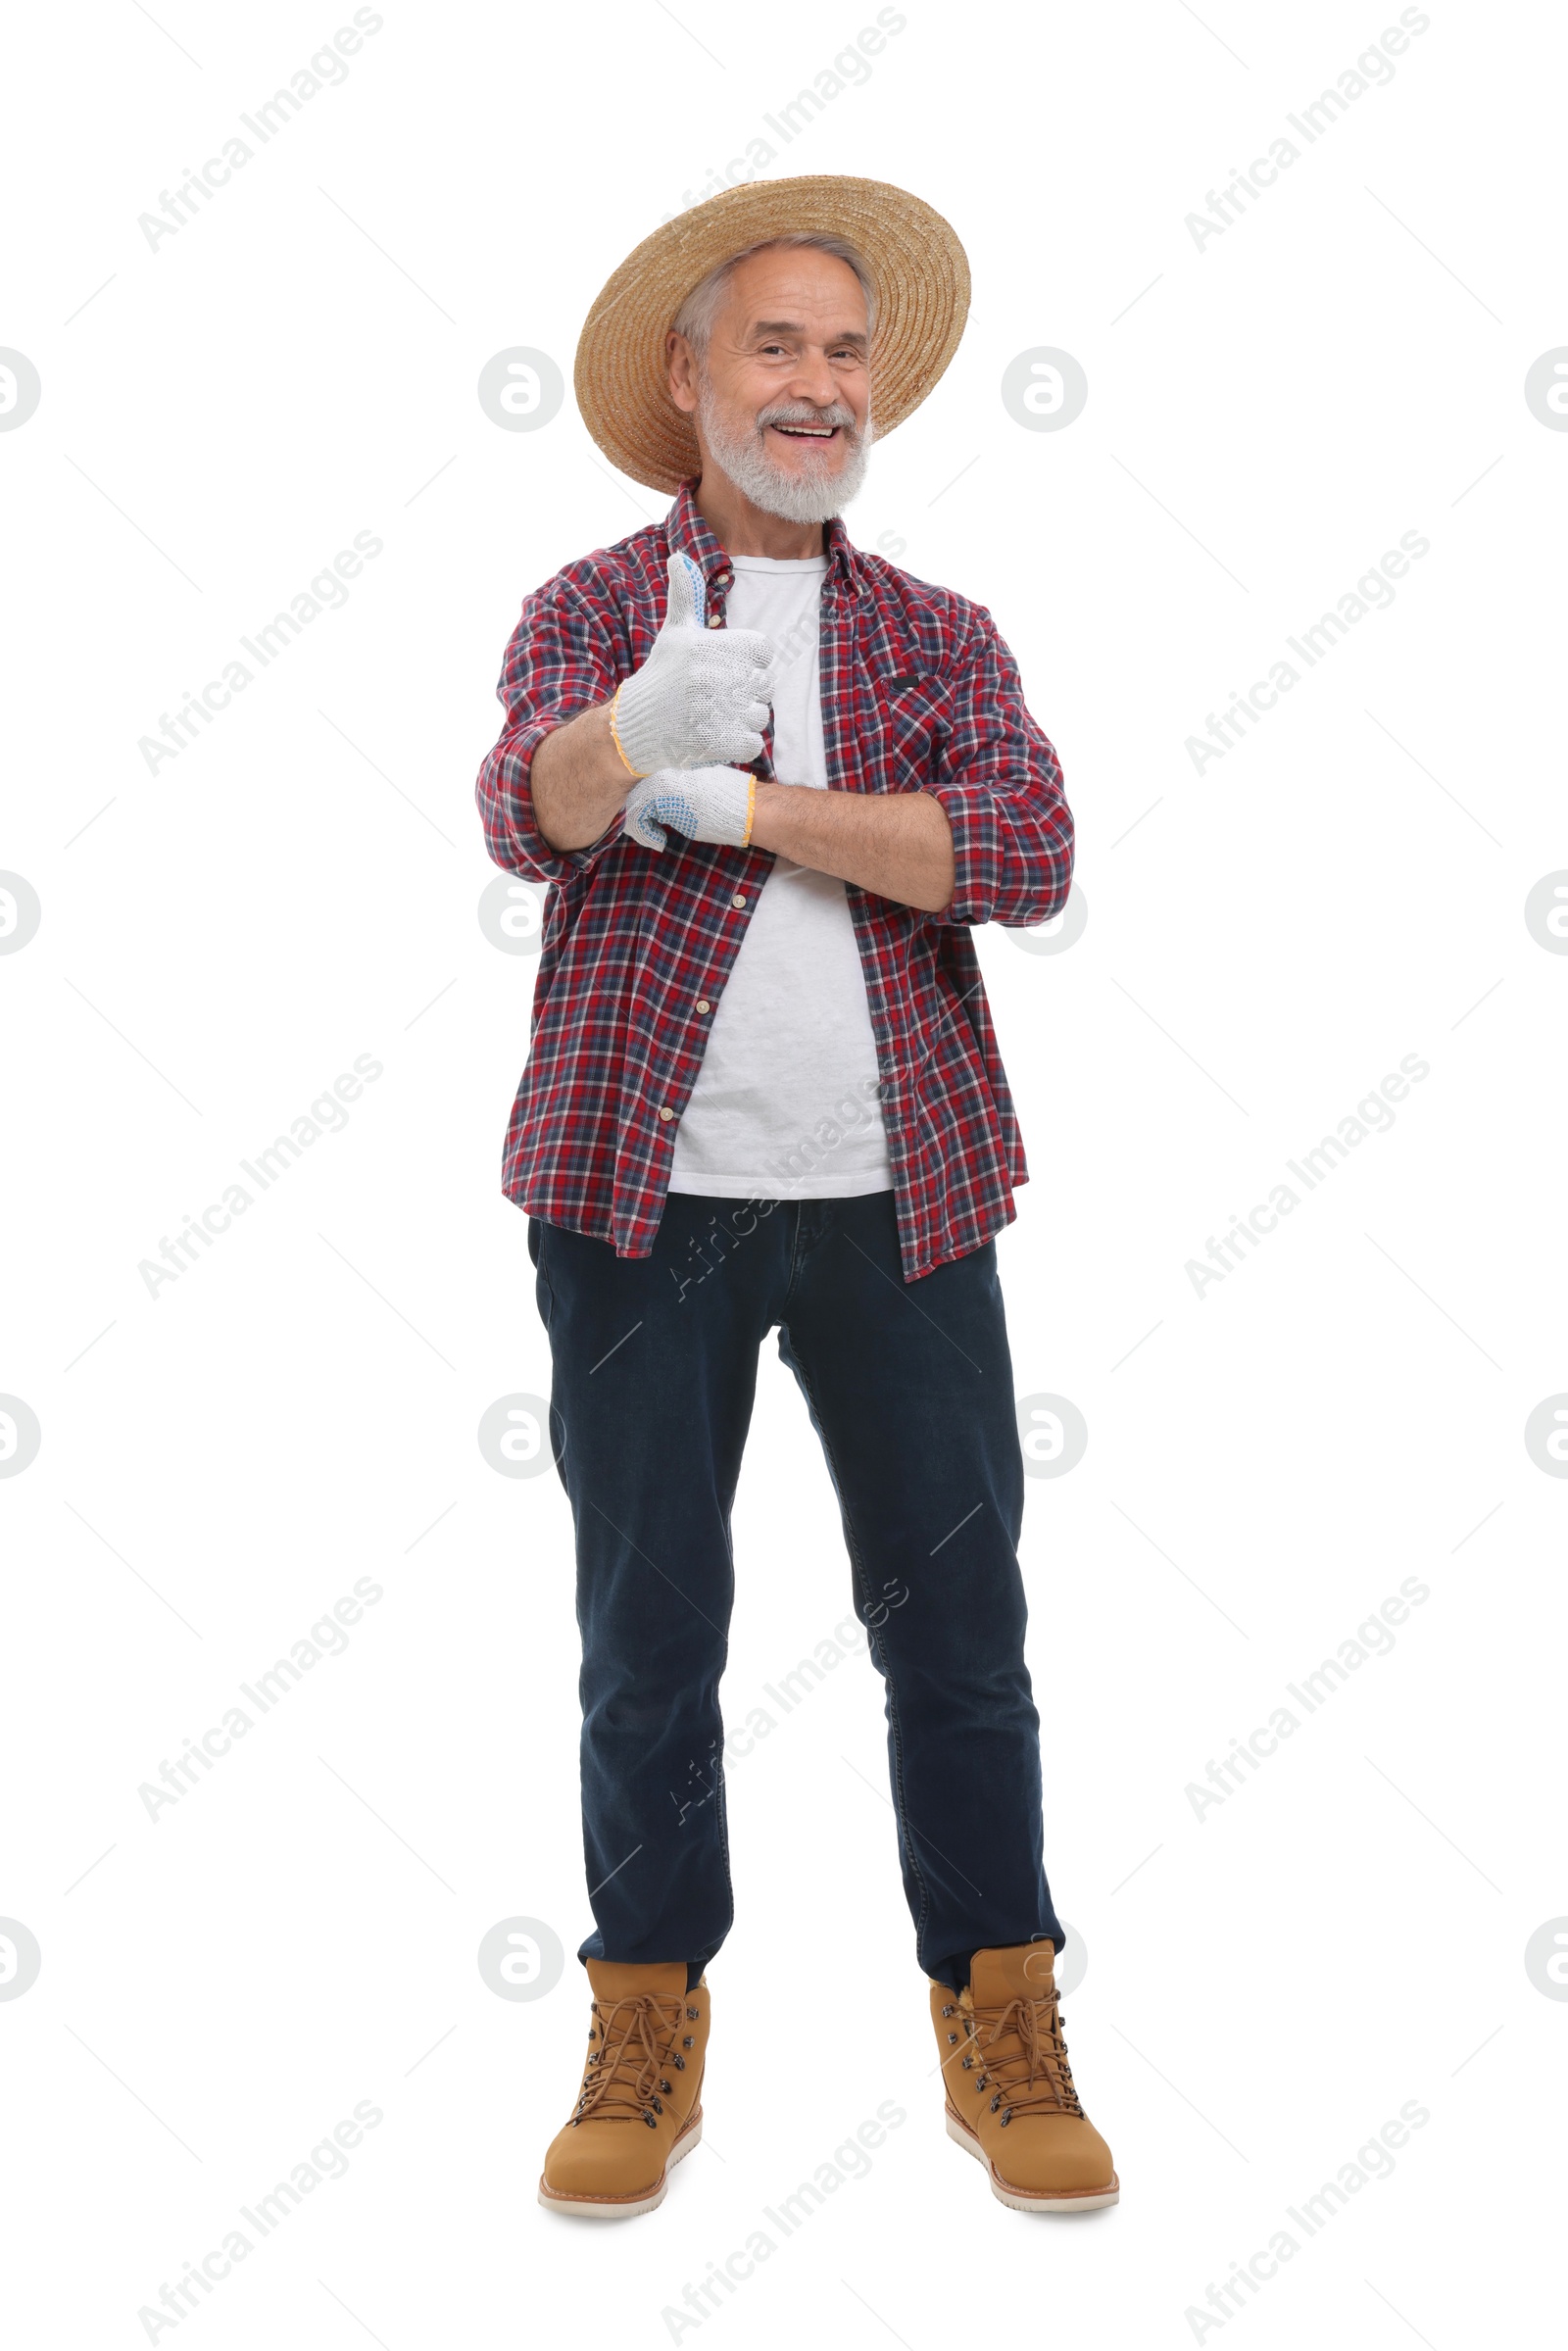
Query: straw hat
[{"x": 922, "y": 287}]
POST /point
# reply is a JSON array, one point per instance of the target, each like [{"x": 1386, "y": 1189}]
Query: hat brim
[{"x": 922, "y": 286}]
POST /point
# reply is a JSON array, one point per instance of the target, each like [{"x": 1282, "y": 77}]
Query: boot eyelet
[
  {"x": 952, "y": 2039},
  {"x": 693, "y": 2013},
  {"x": 666, "y": 2087},
  {"x": 995, "y": 2103},
  {"x": 657, "y": 2104},
  {"x": 1006, "y": 2117},
  {"x": 948, "y": 2011},
  {"x": 680, "y": 2064},
  {"x": 651, "y": 2122},
  {"x": 688, "y": 2042}
]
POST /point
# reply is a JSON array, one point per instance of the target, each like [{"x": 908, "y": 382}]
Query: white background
[{"x": 1267, "y": 1984}]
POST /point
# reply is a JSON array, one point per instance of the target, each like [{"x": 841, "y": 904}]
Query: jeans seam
[
  {"x": 874, "y": 1643},
  {"x": 796, "y": 1256},
  {"x": 543, "y": 1271},
  {"x": 723, "y": 1809},
  {"x": 722, "y": 1806},
  {"x": 547, "y": 1316}
]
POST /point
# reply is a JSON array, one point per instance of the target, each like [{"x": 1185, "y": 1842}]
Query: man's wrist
[
  {"x": 770, "y": 800},
  {"x": 635, "y": 773},
  {"x": 578, "y": 781}
]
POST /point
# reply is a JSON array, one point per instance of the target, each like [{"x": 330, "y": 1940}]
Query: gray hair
[{"x": 697, "y": 314}]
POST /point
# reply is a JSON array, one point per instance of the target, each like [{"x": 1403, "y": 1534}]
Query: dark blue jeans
[{"x": 910, "y": 1387}]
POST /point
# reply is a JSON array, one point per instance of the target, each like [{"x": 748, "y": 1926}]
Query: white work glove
[
  {"x": 705, "y": 804},
  {"x": 703, "y": 694}
]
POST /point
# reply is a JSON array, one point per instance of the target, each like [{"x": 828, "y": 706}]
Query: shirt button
[
  {"x": 716, "y": 619},
  {"x": 739, "y": 899},
  {"x": 702, "y": 1005},
  {"x": 667, "y": 1114}
]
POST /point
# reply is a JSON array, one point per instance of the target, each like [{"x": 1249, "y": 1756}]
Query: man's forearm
[
  {"x": 578, "y": 780},
  {"x": 897, "y": 843}
]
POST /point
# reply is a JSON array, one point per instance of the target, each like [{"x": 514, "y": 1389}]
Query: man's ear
[{"x": 681, "y": 362}]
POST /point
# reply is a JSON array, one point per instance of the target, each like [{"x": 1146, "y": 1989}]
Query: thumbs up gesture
[{"x": 702, "y": 695}]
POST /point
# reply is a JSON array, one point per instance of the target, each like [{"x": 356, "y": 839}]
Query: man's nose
[{"x": 813, "y": 380}]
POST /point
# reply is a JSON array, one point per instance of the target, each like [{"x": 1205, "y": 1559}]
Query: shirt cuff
[
  {"x": 1008, "y": 868},
  {"x": 511, "y": 829}
]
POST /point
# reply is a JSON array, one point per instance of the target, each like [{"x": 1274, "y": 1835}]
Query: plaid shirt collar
[{"x": 689, "y": 534}]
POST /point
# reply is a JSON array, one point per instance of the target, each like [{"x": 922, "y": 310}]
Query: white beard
[{"x": 813, "y": 496}]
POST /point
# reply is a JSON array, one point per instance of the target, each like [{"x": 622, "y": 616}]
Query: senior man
[{"x": 773, "y": 780}]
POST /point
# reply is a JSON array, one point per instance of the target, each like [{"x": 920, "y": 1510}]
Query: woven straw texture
[{"x": 922, "y": 284}]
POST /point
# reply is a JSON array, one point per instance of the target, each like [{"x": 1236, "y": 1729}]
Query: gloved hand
[
  {"x": 705, "y": 804},
  {"x": 702, "y": 694}
]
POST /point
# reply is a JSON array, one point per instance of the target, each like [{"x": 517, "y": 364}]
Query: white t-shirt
[{"x": 786, "y": 1105}]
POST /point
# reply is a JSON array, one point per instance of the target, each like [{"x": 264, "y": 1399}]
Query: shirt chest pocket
[{"x": 915, "y": 717}]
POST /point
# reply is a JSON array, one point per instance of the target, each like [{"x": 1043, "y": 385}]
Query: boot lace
[
  {"x": 635, "y": 2049},
  {"x": 1023, "y": 2056}
]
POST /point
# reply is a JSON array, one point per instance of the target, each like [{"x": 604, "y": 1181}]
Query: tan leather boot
[
  {"x": 1010, "y": 2099},
  {"x": 640, "y": 2110}
]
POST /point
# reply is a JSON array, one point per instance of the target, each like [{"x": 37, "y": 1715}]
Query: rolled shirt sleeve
[
  {"x": 1000, "y": 783},
  {"x": 560, "y": 661}
]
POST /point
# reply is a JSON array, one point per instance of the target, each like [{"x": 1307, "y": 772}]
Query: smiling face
[{"x": 781, "y": 400}]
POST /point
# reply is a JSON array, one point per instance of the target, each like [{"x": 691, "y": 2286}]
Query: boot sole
[
  {"x": 626, "y": 2208},
  {"x": 1082, "y": 2199}
]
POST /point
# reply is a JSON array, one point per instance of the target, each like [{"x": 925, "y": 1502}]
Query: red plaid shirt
[{"x": 919, "y": 694}]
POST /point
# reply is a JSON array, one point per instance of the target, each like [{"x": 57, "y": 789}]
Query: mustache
[{"x": 797, "y": 411}]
